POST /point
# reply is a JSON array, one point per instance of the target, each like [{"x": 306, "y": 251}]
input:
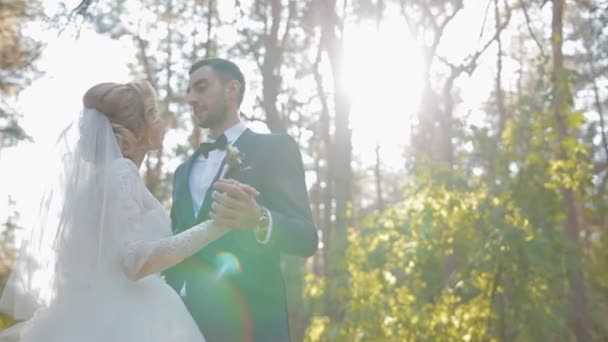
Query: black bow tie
[{"x": 206, "y": 147}]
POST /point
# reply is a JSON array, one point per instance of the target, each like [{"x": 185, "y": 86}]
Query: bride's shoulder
[
  {"x": 123, "y": 173},
  {"x": 124, "y": 169},
  {"x": 124, "y": 165}
]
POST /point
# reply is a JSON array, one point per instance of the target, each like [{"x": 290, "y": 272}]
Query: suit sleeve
[{"x": 285, "y": 195}]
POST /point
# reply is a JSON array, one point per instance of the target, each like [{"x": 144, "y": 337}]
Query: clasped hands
[{"x": 234, "y": 204}]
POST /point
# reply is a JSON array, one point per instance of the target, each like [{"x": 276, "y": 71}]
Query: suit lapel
[
  {"x": 243, "y": 140},
  {"x": 186, "y": 205},
  {"x": 206, "y": 207},
  {"x": 244, "y": 145}
]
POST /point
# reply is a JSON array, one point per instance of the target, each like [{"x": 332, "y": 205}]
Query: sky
[
  {"x": 70, "y": 67},
  {"x": 384, "y": 97}
]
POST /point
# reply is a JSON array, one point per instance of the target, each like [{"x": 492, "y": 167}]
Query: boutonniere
[{"x": 234, "y": 161}]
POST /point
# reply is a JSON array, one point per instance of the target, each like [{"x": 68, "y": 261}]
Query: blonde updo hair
[{"x": 131, "y": 108}]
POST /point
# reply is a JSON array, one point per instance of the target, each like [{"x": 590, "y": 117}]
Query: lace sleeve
[
  {"x": 129, "y": 196},
  {"x": 142, "y": 258},
  {"x": 144, "y": 251}
]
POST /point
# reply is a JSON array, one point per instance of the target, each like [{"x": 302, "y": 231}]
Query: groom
[{"x": 234, "y": 287}]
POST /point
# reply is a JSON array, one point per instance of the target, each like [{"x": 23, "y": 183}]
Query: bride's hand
[
  {"x": 251, "y": 191},
  {"x": 235, "y": 206}
]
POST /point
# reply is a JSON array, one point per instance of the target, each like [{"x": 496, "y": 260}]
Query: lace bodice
[{"x": 146, "y": 245}]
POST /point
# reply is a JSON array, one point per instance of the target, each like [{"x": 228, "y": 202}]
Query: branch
[
  {"x": 596, "y": 90},
  {"x": 445, "y": 23},
  {"x": 602, "y": 187},
  {"x": 82, "y": 10},
  {"x": 599, "y": 167},
  {"x": 426, "y": 10},
  {"x": 472, "y": 63},
  {"x": 252, "y": 118},
  {"x": 141, "y": 45},
  {"x": 485, "y": 19},
  {"x": 253, "y": 48},
  {"x": 290, "y": 16},
  {"x": 438, "y": 28},
  {"x": 407, "y": 18},
  {"x": 343, "y": 18},
  {"x": 540, "y": 47},
  {"x": 82, "y": 7},
  {"x": 169, "y": 12},
  {"x": 209, "y": 28}
]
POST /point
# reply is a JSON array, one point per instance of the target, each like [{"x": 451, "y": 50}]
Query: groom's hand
[{"x": 234, "y": 204}]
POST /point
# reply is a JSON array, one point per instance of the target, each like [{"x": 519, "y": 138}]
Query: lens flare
[{"x": 227, "y": 264}]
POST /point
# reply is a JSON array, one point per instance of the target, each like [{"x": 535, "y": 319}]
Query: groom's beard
[{"x": 217, "y": 116}]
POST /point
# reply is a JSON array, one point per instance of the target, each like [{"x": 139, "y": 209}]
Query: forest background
[{"x": 455, "y": 150}]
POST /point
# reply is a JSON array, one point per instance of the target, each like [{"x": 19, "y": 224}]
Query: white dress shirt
[{"x": 204, "y": 171}]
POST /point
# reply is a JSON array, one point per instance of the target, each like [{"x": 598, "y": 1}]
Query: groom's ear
[{"x": 233, "y": 89}]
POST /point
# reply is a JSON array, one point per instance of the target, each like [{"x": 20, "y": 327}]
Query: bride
[{"x": 89, "y": 269}]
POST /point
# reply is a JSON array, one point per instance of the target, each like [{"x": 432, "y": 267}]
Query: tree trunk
[
  {"x": 342, "y": 141},
  {"x": 316, "y": 197},
  {"x": 196, "y": 135},
  {"x": 274, "y": 48},
  {"x": 154, "y": 161},
  {"x": 341, "y": 155},
  {"x": 591, "y": 59},
  {"x": 293, "y": 273},
  {"x": 378, "y": 178},
  {"x": 502, "y": 119},
  {"x": 326, "y": 177},
  {"x": 270, "y": 68},
  {"x": 209, "y": 45},
  {"x": 500, "y": 95},
  {"x": 579, "y": 319}
]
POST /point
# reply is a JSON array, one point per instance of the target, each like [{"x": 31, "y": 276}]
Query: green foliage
[
  {"x": 18, "y": 52},
  {"x": 5, "y": 322},
  {"x": 7, "y": 256},
  {"x": 475, "y": 257},
  {"x": 397, "y": 262}
]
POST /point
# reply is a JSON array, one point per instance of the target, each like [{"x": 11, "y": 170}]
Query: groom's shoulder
[
  {"x": 276, "y": 147},
  {"x": 276, "y": 140}
]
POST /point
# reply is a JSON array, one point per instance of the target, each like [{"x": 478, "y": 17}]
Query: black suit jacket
[{"x": 235, "y": 290}]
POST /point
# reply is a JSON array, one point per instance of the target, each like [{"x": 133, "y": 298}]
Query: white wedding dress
[{"x": 104, "y": 281}]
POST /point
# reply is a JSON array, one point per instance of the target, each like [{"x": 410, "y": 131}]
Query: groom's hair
[{"x": 227, "y": 70}]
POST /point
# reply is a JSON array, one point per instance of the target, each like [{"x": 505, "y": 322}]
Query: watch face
[
  {"x": 261, "y": 230},
  {"x": 264, "y": 221}
]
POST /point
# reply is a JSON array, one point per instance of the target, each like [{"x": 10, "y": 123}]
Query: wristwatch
[{"x": 261, "y": 228}]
